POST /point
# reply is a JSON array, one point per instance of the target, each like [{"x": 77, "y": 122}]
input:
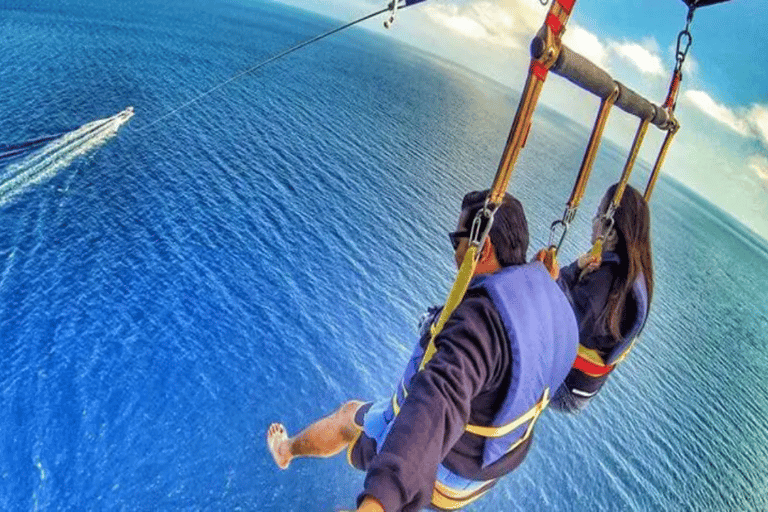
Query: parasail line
[{"x": 261, "y": 64}]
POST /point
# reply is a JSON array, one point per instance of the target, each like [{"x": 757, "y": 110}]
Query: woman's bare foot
[{"x": 277, "y": 441}]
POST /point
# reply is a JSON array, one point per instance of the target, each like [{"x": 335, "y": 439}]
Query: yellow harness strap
[
  {"x": 529, "y": 417},
  {"x": 460, "y": 286},
  {"x": 447, "y": 498},
  {"x": 590, "y": 363},
  {"x": 590, "y": 355}
]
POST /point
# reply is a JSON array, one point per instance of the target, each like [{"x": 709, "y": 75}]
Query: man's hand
[
  {"x": 370, "y": 504},
  {"x": 549, "y": 259}
]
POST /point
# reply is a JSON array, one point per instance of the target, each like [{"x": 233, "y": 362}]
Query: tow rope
[{"x": 392, "y": 7}]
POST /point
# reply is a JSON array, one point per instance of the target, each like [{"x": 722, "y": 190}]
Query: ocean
[{"x": 264, "y": 254}]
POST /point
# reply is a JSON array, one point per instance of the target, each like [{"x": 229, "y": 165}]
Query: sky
[{"x": 721, "y": 150}]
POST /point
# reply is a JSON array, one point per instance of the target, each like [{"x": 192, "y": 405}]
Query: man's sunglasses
[{"x": 456, "y": 235}]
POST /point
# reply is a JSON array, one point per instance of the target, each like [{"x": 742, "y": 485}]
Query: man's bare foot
[{"x": 277, "y": 441}]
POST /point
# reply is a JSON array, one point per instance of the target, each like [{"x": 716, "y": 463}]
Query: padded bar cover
[{"x": 582, "y": 72}]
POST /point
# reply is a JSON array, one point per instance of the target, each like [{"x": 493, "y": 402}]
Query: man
[{"x": 463, "y": 417}]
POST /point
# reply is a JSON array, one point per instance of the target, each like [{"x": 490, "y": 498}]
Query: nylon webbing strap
[
  {"x": 591, "y": 368},
  {"x": 639, "y": 136},
  {"x": 589, "y": 155},
  {"x": 659, "y": 160},
  {"x": 554, "y": 25},
  {"x": 501, "y": 431},
  {"x": 597, "y": 248},
  {"x": 674, "y": 88},
  {"x": 460, "y": 286},
  {"x": 684, "y": 41},
  {"x": 580, "y": 186}
]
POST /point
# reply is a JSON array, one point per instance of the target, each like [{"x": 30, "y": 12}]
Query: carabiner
[
  {"x": 393, "y": 8},
  {"x": 552, "y": 244}
]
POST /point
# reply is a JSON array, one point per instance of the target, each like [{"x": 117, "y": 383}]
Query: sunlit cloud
[
  {"x": 759, "y": 165},
  {"x": 511, "y": 23},
  {"x": 587, "y": 44},
  {"x": 720, "y": 113},
  {"x": 502, "y": 23},
  {"x": 750, "y": 122},
  {"x": 757, "y": 119},
  {"x": 457, "y": 22},
  {"x": 644, "y": 57}
]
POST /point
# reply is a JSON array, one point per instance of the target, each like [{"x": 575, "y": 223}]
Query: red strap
[
  {"x": 538, "y": 69},
  {"x": 590, "y": 368},
  {"x": 673, "y": 87},
  {"x": 567, "y": 5},
  {"x": 554, "y": 23}
]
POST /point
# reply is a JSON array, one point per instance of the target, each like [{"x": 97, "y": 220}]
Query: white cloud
[
  {"x": 501, "y": 23},
  {"x": 759, "y": 165},
  {"x": 451, "y": 18},
  {"x": 716, "y": 111},
  {"x": 757, "y": 119},
  {"x": 520, "y": 16},
  {"x": 690, "y": 66},
  {"x": 645, "y": 56},
  {"x": 751, "y": 122},
  {"x": 511, "y": 23},
  {"x": 587, "y": 44}
]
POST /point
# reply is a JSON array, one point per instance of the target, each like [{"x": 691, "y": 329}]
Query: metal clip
[
  {"x": 606, "y": 222},
  {"x": 476, "y": 237},
  {"x": 552, "y": 229},
  {"x": 684, "y": 40},
  {"x": 393, "y": 9}
]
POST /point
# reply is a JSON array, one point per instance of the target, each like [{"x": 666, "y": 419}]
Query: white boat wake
[{"x": 57, "y": 154}]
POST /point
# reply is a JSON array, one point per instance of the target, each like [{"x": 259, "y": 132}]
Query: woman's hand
[{"x": 589, "y": 262}]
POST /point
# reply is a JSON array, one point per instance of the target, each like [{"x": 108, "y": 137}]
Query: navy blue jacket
[{"x": 460, "y": 385}]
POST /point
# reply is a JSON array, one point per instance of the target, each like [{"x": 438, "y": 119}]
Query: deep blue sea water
[{"x": 264, "y": 254}]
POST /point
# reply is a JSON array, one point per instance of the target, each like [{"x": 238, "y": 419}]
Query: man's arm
[{"x": 433, "y": 417}]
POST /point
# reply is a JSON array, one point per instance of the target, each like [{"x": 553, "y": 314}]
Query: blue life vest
[
  {"x": 591, "y": 370},
  {"x": 543, "y": 337},
  {"x": 640, "y": 295}
]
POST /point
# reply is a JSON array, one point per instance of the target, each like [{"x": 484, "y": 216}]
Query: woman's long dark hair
[{"x": 632, "y": 222}]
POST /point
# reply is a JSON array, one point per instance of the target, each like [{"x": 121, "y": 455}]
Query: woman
[{"x": 610, "y": 296}]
